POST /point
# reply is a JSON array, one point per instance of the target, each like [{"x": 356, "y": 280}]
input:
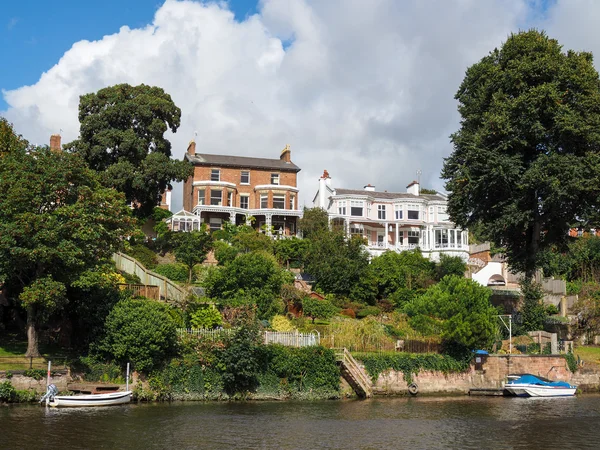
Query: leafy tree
[
  {"x": 290, "y": 250},
  {"x": 315, "y": 308},
  {"x": 141, "y": 331},
  {"x": 336, "y": 263},
  {"x": 527, "y": 146},
  {"x": 587, "y": 309},
  {"x": 56, "y": 222},
  {"x": 459, "y": 310},
  {"x": 191, "y": 248},
  {"x": 533, "y": 312},
  {"x": 450, "y": 265},
  {"x": 224, "y": 252},
  {"x": 122, "y": 137},
  {"x": 242, "y": 361},
  {"x": 176, "y": 272},
  {"x": 314, "y": 222},
  {"x": 9, "y": 140},
  {"x": 246, "y": 239},
  {"x": 393, "y": 271},
  {"x": 252, "y": 278}
]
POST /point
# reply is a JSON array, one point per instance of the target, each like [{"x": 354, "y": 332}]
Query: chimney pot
[
  {"x": 286, "y": 154},
  {"x": 192, "y": 148}
]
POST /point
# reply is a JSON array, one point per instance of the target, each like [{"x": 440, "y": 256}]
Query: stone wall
[
  {"x": 490, "y": 372},
  {"x": 23, "y": 383}
]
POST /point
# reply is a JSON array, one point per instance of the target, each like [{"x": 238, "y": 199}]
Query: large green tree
[
  {"x": 526, "y": 160},
  {"x": 9, "y": 140},
  {"x": 191, "y": 248},
  {"x": 56, "y": 222},
  {"x": 122, "y": 137}
]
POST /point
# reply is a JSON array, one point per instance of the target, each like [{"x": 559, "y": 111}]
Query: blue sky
[{"x": 34, "y": 34}]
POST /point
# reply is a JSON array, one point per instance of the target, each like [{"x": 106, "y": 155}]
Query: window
[
  {"x": 245, "y": 177},
  {"x": 292, "y": 202},
  {"x": 458, "y": 238},
  {"x": 342, "y": 207},
  {"x": 441, "y": 238},
  {"x": 398, "y": 211},
  {"x": 413, "y": 237},
  {"x": 215, "y": 175},
  {"x": 274, "y": 178},
  {"x": 413, "y": 212},
  {"x": 215, "y": 223},
  {"x": 381, "y": 212},
  {"x": 202, "y": 196},
  {"x": 356, "y": 208},
  {"x": 452, "y": 237},
  {"x": 230, "y": 199},
  {"x": 244, "y": 201},
  {"x": 264, "y": 201},
  {"x": 216, "y": 197},
  {"x": 401, "y": 237},
  {"x": 279, "y": 201},
  {"x": 442, "y": 214},
  {"x": 356, "y": 229}
]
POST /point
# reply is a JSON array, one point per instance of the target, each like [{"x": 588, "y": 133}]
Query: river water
[{"x": 382, "y": 423}]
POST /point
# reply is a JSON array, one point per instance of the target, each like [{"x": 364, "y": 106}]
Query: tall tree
[
  {"x": 56, "y": 221},
  {"x": 526, "y": 158},
  {"x": 9, "y": 139},
  {"x": 122, "y": 137},
  {"x": 191, "y": 248}
]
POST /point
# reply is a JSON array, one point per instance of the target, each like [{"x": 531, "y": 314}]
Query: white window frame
[
  {"x": 242, "y": 177},
  {"x": 357, "y": 204},
  {"x": 214, "y": 221},
  {"x": 281, "y": 199},
  {"x": 412, "y": 234},
  {"x": 202, "y": 196},
  {"x": 220, "y": 203},
  {"x": 264, "y": 197},
  {"x": 292, "y": 202},
  {"x": 398, "y": 212},
  {"x": 247, "y": 199},
  {"x": 275, "y": 178},
  {"x": 381, "y": 212},
  {"x": 341, "y": 207},
  {"x": 442, "y": 214},
  {"x": 413, "y": 208},
  {"x": 214, "y": 172}
]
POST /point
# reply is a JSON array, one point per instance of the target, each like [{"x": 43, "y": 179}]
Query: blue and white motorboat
[{"x": 527, "y": 385}]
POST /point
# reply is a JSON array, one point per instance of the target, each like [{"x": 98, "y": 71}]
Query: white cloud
[{"x": 363, "y": 89}]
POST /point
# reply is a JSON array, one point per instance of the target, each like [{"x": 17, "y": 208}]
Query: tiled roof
[
  {"x": 387, "y": 195},
  {"x": 205, "y": 159}
]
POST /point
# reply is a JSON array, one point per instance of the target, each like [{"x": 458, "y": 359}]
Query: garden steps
[{"x": 354, "y": 374}]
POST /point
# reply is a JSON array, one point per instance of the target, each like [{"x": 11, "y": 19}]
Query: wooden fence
[
  {"x": 168, "y": 290},
  {"x": 142, "y": 290},
  {"x": 381, "y": 346}
]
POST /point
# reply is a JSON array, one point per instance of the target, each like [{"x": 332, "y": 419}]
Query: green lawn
[
  {"x": 12, "y": 354},
  {"x": 590, "y": 354}
]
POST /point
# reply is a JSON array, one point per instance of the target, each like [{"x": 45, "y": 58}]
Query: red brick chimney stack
[
  {"x": 286, "y": 154},
  {"x": 192, "y": 148},
  {"x": 55, "y": 143}
]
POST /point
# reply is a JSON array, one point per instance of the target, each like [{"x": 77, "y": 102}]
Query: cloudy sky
[{"x": 364, "y": 89}]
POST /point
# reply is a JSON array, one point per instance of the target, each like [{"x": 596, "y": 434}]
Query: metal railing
[
  {"x": 287, "y": 338},
  {"x": 21, "y": 363}
]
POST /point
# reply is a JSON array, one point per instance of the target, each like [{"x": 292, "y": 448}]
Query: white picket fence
[{"x": 287, "y": 338}]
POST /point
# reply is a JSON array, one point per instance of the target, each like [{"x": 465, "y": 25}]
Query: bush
[
  {"x": 208, "y": 317},
  {"x": 36, "y": 374},
  {"x": 552, "y": 310},
  {"x": 348, "y": 312},
  {"x": 368, "y": 311},
  {"x": 140, "y": 331},
  {"x": 281, "y": 323},
  {"x": 8, "y": 393},
  {"x": 176, "y": 272},
  {"x": 315, "y": 308},
  {"x": 94, "y": 369},
  {"x": 144, "y": 255}
]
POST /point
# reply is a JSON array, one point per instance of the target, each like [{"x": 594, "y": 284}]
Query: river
[{"x": 381, "y": 423}]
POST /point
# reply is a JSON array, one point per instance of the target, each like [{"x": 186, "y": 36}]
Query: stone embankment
[{"x": 489, "y": 373}]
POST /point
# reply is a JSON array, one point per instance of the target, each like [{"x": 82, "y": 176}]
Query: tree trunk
[
  {"x": 32, "y": 334},
  {"x": 190, "y": 274}
]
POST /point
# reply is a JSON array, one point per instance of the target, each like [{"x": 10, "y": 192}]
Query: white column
[
  {"x": 385, "y": 235},
  {"x": 347, "y": 220},
  {"x": 232, "y": 218},
  {"x": 268, "y": 223},
  {"x": 397, "y": 235}
]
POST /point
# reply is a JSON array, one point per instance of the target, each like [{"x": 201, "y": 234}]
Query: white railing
[
  {"x": 292, "y": 338},
  {"x": 287, "y": 338}
]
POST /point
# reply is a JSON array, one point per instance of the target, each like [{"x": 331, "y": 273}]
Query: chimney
[
  {"x": 324, "y": 181},
  {"x": 192, "y": 148},
  {"x": 165, "y": 201},
  {"x": 413, "y": 188},
  {"x": 286, "y": 154},
  {"x": 55, "y": 143},
  {"x": 369, "y": 188}
]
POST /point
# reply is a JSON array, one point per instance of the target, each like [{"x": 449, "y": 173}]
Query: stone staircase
[{"x": 353, "y": 373}]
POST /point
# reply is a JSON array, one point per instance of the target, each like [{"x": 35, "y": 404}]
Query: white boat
[
  {"x": 108, "y": 399},
  {"x": 51, "y": 397},
  {"x": 527, "y": 385}
]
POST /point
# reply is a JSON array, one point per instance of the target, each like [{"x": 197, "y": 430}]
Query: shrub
[
  {"x": 281, "y": 323},
  {"x": 368, "y": 311},
  {"x": 552, "y": 310},
  {"x": 93, "y": 369},
  {"x": 140, "y": 331},
  {"x": 208, "y": 317},
  {"x": 315, "y": 308},
  {"x": 241, "y": 361},
  {"x": 8, "y": 393},
  {"x": 348, "y": 312},
  {"x": 176, "y": 272},
  {"x": 36, "y": 374},
  {"x": 144, "y": 255}
]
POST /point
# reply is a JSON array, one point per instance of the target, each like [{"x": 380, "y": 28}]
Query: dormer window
[
  {"x": 245, "y": 177},
  {"x": 274, "y": 178},
  {"x": 215, "y": 175}
]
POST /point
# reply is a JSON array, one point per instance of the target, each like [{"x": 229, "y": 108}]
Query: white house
[{"x": 394, "y": 221}]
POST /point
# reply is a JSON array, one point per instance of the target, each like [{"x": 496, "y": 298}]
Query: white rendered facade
[{"x": 394, "y": 221}]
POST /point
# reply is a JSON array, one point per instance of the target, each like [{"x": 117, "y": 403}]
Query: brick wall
[{"x": 490, "y": 374}]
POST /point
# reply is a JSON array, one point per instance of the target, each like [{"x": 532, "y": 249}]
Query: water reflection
[{"x": 421, "y": 422}]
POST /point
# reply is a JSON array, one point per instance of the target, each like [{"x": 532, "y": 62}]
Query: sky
[{"x": 364, "y": 89}]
